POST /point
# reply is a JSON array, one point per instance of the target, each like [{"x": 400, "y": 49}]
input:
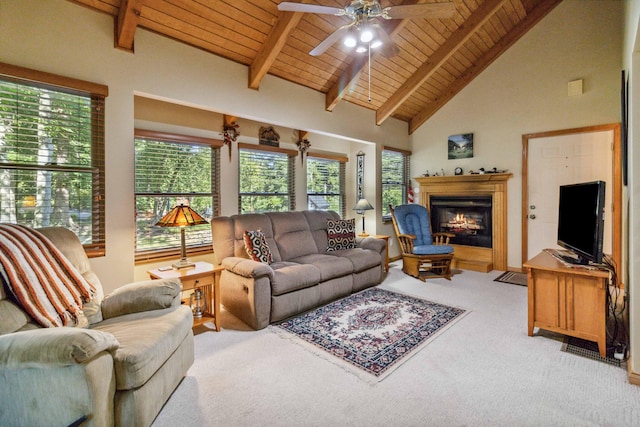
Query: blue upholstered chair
[{"x": 424, "y": 254}]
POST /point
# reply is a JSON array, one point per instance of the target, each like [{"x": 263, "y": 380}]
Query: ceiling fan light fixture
[
  {"x": 361, "y": 49},
  {"x": 366, "y": 35},
  {"x": 350, "y": 40},
  {"x": 376, "y": 44}
]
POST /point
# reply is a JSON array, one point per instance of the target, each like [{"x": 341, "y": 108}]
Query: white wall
[
  {"x": 525, "y": 91},
  {"x": 60, "y": 37}
]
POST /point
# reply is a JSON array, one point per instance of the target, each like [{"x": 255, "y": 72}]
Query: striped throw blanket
[{"x": 45, "y": 283}]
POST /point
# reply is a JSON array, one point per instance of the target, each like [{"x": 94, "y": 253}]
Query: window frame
[
  {"x": 97, "y": 93},
  {"x": 149, "y": 255},
  {"x": 405, "y": 179},
  {"x": 291, "y": 178},
  {"x": 342, "y": 194}
]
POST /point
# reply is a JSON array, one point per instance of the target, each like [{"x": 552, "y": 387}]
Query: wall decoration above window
[
  {"x": 230, "y": 131},
  {"x": 269, "y": 136},
  {"x": 460, "y": 146},
  {"x": 303, "y": 144}
]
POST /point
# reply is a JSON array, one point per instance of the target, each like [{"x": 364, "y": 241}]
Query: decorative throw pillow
[
  {"x": 256, "y": 246},
  {"x": 341, "y": 234}
]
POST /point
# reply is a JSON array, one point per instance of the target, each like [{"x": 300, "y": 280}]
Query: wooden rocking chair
[{"x": 424, "y": 254}]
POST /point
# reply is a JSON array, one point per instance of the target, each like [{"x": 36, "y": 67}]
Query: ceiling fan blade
[
  {"x": 427, "y": 10},
  {"x": 333, "y": 37},
  {"x": 309, "y": 8}
]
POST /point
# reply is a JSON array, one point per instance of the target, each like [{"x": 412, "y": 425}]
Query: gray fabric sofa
[
  {"x": 303, "y": 274},
  {"x": 119, "y": 371}
]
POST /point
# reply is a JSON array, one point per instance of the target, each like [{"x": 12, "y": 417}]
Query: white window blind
[
  {"x": 266, "y": 180},
  {"x": 326, "y": 184},
  {"x": 168, "y": 173},
  {"x": 395, "y": 179},
  {"x": 52, "y": 157}
]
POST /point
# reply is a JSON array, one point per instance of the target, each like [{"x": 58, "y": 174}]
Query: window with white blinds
[
  {"x": 52, "y": 154},
  {"x": 325, "y": 184},
  {"x": 172, "y": 170},
  {"x": 395, "y": 178},
  {"x": 266, "y": 179}
]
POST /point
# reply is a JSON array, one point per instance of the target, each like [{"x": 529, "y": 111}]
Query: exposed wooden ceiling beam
[
  {"x": 126, "y": 23},
  {"x": 477, "y": 19},
  {"x": 533, "y": 17},
  {"x": 353, "y": 71},
  {"x": 287, "y": 22}
]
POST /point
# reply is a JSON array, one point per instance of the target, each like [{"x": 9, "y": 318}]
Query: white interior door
[{"x": 560, "y": 160}]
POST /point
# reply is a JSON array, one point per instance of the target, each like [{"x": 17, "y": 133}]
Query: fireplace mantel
[{"x": 492, "y": 184}]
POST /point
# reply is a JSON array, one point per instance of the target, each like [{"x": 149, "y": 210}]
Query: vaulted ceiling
[{"x": 436, "y": 57}]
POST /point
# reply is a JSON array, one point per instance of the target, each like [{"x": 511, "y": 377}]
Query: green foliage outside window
[
  {"x": 266, "y": 181},
  {"x": 325, "y": 184},
  {"x": 47, "y": 176},
  {"x": 167, "y": 174},
  {"x": 395, "y": 178}
]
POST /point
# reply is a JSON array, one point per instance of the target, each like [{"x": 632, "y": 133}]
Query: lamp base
[
  {"x": 363, "y": 234},
  {"x": 182, "y": 264}
]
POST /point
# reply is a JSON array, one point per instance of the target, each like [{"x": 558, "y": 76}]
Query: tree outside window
[
  {"x": 169, "y": 173},
  {"x": 325, "y": 184},
  {"x": 266, "y": 180},
  {"x": 52, "y": 159},
  {"x": 395, "y": 179}
]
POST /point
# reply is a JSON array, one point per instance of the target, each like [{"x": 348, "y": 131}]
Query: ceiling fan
[{"x": 364, "y": 32}]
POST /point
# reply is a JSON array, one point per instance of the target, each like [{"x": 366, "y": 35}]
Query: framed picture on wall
[{"x": 460, "y": 146}]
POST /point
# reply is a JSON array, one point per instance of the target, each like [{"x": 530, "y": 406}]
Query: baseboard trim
[{"x": 634, "y": 377}]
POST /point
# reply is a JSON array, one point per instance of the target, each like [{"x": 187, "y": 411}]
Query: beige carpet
[{"x": 484, "y": 371}]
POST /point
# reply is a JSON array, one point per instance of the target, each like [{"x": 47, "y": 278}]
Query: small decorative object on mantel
[
  {"x": 482, "y": 171},
  {"x": 269, "y": 136},
  {"x": 303, "y": 144},
  {"x": 230, "y": 131},
  {"x": 460, "y": 146},
  {"x": 458, "y": 171}
]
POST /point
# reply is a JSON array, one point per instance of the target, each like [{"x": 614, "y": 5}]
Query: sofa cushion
[
  {"x": 292, "y": 235},
  {"x": 253, "y": 221},
  {"x": 289, "y": 276},
  {"x": 341, "y": 234},
  {"x": 330, "y": 266},
  {"x": 318, "y": 225},
  {"x": 146, "y": 340},
  {"x": 256, "y": 246},
  {"x": 361, "y": 259}
]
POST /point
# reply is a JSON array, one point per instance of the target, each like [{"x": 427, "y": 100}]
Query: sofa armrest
[
  {"x": 377, "y": 245},
  {"x": 53, "y": 347},
  {"x": 142, "y": 296},
  {"x": 247, "y": 268}
]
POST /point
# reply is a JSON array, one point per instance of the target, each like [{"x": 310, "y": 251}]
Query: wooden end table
[{"x": 205, "y": 276}]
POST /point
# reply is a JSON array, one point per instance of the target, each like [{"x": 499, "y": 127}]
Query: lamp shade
[
  {"x": 362, "y": 206},
  {"x": 181, "y": 216}
]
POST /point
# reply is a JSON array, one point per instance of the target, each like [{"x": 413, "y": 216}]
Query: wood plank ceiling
[{"x": 436, "y": 59}]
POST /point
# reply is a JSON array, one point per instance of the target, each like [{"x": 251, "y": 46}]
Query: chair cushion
[
  {"x": 432, "y": 250},
  {"x": 414, "y": 220},
  {"x": 256, "y": 246},
  {"x": 147, "y": 340},
  {"x": 341, "y": 234}
]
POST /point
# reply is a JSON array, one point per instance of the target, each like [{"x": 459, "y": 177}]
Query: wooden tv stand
[{"x": 571, "y": 301}]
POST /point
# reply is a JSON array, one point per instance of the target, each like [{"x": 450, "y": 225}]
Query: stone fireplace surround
[{"x": 494, "y": 185}]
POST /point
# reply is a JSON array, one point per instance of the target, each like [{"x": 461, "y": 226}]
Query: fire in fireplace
[{"x": 467, "y": 217}]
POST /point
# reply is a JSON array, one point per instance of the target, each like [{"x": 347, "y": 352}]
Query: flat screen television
[{"x": 581, "y": 221}]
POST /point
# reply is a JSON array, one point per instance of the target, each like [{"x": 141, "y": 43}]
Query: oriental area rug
[{"x": 374, "y": 330}]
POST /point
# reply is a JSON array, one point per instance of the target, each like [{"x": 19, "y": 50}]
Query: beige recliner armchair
[{"x": 119, "y": 371}]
